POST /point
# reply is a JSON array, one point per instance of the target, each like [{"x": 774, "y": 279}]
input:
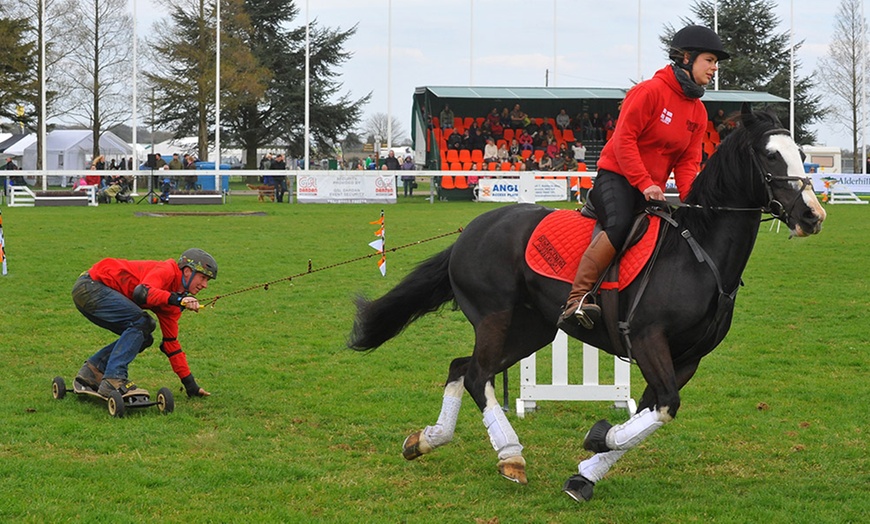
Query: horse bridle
[{"x": 774, "y": 207}]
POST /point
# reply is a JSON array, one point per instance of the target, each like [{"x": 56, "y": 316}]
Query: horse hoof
[
  {"x": 415, "y": 446},
  {"x": 596, "y": 438},
  {"x": 578, "y": 488},
  {"x": 514, "y": 469}
]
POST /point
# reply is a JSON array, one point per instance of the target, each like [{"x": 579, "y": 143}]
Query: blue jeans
[{"x": 111, "y": 310}]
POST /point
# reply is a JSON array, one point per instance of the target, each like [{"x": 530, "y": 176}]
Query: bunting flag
[
  {"x": 378, "y": 245},
  {"x": 2, "y": 245}
]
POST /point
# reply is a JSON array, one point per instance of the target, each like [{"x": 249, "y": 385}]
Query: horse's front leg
[
  {"x": 426, "y": 440},
  {"x": 611, "y": 442}
]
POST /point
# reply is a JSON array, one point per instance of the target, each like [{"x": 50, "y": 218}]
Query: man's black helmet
[
  {"x": 199, "y": 261},
  {"x": 700, "y": 39}
]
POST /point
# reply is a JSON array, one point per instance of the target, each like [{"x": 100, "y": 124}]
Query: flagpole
[
  {"x": 217, "y": 97},
  {"x": 307, "y": 88}
]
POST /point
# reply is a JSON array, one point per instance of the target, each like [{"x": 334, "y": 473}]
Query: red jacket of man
[{"x": 162, "y": 279}]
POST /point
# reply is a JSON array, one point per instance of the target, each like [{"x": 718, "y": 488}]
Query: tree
[
  {"x": 376, "y": 126},
  {"x": 18, "y": 60},
  {"x": 760, "y": 58},
  {"x": 184, "y": 75},
  {"x": 100, "y": 69},
  {"x": 844, "y": 68},
  {"x": 279, "y": 116}
]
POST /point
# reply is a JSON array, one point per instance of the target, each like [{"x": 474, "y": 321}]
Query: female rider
[{"x": 659, "y": 131}]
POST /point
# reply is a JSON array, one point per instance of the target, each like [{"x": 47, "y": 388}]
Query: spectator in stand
[
  {"x": 609, "y": 125},
  {"x": 514, "y": 151},
  {"x": 466, "y": 140},
  {"x": 454, "y": 141},
  {"x": 280, "y": 179},
  {"x": 552, "y": 150},
  {"x": 718, "y": 120},
  {"x": 446, "y": 117},
  {"x": 518, "y": 118},
  {"x": 490, "y": 151},
  {"x": 586, "y": 126},
  {"x": 539, "y": 141},
  {"x": 113, "y": 165},
  {"x": 579, "y": 151},
  {"x": 408, "y": 179},
  {"x": 563, "y": 120},
  {"x": 493, "y": 117},
  {"x": 478, "y": 141},
  {"x": 9, "y": 165},
  {"x": 497, "y": 130},
  {"x": 546, "y": 127},
  {"x": 597, "y": 127},
  {"x": 391, "y": 162},
  {"x": 526, "y": 142},
  {"x": 505, "y": 118},
  {"x": 503, "y": 154},
  {"x": 566, "y": 159},
  {"x": 546, "y": 163}
]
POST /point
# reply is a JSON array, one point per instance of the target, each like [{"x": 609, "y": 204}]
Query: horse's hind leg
[
  {"x": 424, "y": 441},
  {"x": 489, "y": 358}
]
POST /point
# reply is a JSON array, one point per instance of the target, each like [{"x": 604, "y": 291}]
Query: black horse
[{"x": 680, "y": 313}]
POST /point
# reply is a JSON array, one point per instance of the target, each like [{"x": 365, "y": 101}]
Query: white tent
[
  {"x": 16, "y": 150},
  {"x": 73, "y": 149}
]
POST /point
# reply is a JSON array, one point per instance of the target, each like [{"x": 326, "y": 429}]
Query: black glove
[{"x": 190, "y": 386}]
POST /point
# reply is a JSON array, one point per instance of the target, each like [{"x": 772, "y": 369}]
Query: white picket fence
[{"x": 559, "y": 389}]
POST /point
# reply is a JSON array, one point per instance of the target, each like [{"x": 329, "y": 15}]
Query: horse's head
[{"x": 786, "y": 191}]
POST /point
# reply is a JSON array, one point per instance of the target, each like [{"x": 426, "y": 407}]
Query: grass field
[{"x": 300, "y": 429}]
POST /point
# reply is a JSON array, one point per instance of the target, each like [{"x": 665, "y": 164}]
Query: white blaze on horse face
[{"x": 785, "y": 146}]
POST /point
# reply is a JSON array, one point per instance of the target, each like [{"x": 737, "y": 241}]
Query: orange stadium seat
[
  {"x": 452, "y": 155},
  {"x": 464, "y": 155},
  {"x": 447, "y": 182},
  {"x": 460, "y": 182}
]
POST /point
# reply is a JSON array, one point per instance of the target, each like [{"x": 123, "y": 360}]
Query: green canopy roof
[{"x": 577, "y": 93}]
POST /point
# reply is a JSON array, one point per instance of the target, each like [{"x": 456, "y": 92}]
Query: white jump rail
[{"x": 560, "y": 389}]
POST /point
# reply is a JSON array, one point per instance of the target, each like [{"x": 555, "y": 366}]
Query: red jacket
[
  {"x": 162, "y": 279},
  {"x": 660, "y": 130}
]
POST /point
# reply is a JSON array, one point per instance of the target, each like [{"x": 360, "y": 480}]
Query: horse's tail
[{"x": 422, "y": 291}]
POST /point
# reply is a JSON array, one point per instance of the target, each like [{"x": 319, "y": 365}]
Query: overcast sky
[{"x": 514, "y": 42}]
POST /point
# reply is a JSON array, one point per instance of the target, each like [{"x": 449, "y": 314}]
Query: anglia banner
[
  {"x": 345, "y": 188},
  {"x": 508, "y": 189}
]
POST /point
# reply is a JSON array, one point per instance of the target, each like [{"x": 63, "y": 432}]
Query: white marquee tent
[{"x": 73, "y": 149}]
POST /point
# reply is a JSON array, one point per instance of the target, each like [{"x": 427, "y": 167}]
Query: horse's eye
[{"x": 772, "y": 156}]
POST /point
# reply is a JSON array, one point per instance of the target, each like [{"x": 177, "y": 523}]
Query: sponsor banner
[
  {"x": 856, "y": 183},
  {"x": 345, "y": 188},
  {"x": 508, "y": 189}
]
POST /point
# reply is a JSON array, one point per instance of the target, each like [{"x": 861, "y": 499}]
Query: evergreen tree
[
  {"x": 18, "y": 61},
  {"x": 183, "y": 81},
  {"x": 278, "y": 117},
  {"x": 760, "y": 57}
]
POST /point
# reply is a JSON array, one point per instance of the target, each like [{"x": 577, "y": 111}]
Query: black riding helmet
[
  {"x": 698, "y": 39},
  {"x": 200, "y": 262}
]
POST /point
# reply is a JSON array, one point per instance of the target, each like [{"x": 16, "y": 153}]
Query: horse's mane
[{"x": 728, "y": 177}]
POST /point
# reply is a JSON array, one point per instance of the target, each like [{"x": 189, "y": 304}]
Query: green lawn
[{"x": 301, "y": 429}]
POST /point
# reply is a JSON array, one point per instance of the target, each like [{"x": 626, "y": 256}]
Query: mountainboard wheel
[
  {"x": 115, "y": 402},
  {"x": 58, "y": 388},
  {"x": 165, "y": 401}
]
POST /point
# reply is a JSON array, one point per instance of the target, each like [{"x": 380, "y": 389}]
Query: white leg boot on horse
[
  {"x": 580, "y": 308},
  {"x": 579, "y": 487},
  {"x": 604, "y": 437},
  {"x": 504, "y": 440},
  {"x": 422, "y": 442},
  {"x": 609, "y": 444}
]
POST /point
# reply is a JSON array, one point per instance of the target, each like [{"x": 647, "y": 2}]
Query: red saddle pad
[{"x": 556, "y": 245}]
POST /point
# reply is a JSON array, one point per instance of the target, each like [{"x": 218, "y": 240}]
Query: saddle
[
  {"x": 558, "y": 242},
  {"x": 557, "y": 245}
]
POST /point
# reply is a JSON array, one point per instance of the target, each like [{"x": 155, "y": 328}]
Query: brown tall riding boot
[{"x": 580, "y": 308}]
